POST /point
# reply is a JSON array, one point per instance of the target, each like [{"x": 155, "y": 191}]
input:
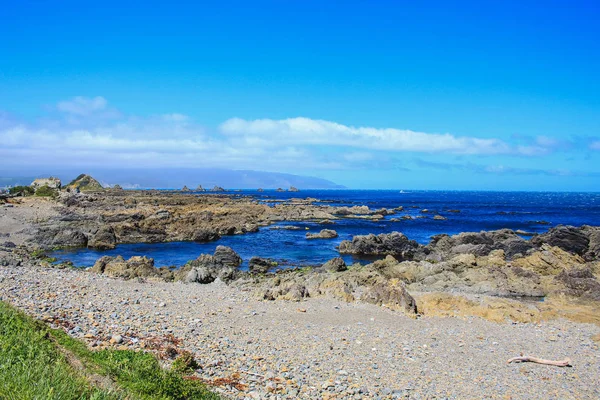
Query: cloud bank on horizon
[{"x": 89, "y": 132}]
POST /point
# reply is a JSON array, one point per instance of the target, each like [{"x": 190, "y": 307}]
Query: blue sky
[{"x": 374, "y": 94}]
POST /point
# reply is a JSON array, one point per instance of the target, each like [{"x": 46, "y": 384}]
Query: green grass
[{"x": 34, "y": 365}]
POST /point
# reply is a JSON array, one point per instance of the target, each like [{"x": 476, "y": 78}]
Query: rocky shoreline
[{"x": 337, "y": 331}]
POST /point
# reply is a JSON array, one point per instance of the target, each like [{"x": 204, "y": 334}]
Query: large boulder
[
  {"x": 224, "y": 264},
  {"x": 135, "y": 267},
  {"x": 395, "y": 243},
  {"x": 335, "y": 265},
  {"x": 227, "y": 257},
  {"x": 392, "y": 294}
]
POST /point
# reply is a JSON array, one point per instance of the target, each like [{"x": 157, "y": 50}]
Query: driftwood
[{"x": 564, "y": 363}]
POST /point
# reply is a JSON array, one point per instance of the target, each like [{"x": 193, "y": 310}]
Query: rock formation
[
  {"x": 52, "y": 183},
  {"x": 84, "y": 183},
  {"x": 223, "y": 264}
]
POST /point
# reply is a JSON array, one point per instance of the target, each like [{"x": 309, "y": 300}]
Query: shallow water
[{"x": 528, "y": 211}]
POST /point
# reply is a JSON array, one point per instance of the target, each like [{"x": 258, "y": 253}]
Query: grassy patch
[
  {"x": 46, "y": 191},
  {"x": 39, "y": 362}
]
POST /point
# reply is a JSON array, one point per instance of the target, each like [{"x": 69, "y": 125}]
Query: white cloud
[
  {"x": 83, "y": 135},
  {"x": 82, "y": 106},
  {"x": 305, "y": 131}
]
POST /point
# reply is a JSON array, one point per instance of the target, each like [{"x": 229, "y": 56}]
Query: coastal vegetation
[
  {"x": 37, "y": 362},
  {"x": 21, "y": 190}
]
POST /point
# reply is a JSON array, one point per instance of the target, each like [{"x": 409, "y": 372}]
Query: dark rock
[
  {"x": 205, "y": 235},
  {"x": 206, "y": 268},
  {"x": 258, "y": 265},
  {"x": 568, "y": 238},
  {"x": 479, "y": 244},
  {"x": 394, "y": 243},
  {"x": 217, "y": 189},
  {"x": 226, "y": 256},
  {"x": 60, "y": 237},
  {"x": 293, "y": 189},
  {"x": 103, "y": 239},
  {"x": 335, "y": 265}
]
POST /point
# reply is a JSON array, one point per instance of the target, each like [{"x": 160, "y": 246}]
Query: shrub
[
  {"x": 22, "y": 190},
  {"x": 46, "y": 191}
]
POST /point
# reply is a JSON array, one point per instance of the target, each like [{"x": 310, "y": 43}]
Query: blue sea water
[{"x": 533, "y": 212}]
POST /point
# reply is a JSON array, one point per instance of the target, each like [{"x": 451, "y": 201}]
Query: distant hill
[{"x": 176, "y": 178}]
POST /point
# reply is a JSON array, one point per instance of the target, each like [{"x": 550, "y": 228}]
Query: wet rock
[
  {"x": 258, "y": 265},
  {"x": 227, "y": 257},
  {"x": 394, "y": 243},
  {"x": 203, "y": 235},
  {"x": 324, "y": 234},
  {"x": 60, "y": 237},
  {"x": 103, "y": 239}
]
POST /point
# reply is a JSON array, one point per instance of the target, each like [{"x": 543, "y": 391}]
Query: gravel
[{"x": 320, "y": 348}]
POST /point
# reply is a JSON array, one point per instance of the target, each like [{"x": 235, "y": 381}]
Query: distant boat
[{"x": 402, "y": 191}]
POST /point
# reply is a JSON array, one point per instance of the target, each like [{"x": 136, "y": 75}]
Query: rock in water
[
  {"x": 294, "y": 189},
  {"x": 395, "y": 243},
  {"x": 324, "y": 234},
  {"x": 258, "y": 265},
  {"x": 217, "y": 189}
]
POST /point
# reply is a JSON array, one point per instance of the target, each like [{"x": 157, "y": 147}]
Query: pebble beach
[{"x": 317, "y": 348}]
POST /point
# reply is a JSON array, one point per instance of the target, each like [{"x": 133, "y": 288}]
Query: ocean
[{"x": 466, "y": 211}]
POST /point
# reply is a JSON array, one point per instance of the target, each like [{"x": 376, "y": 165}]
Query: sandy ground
[
  {"x": 16, "y": 219},
  {"x": 319, "y": 348}
]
